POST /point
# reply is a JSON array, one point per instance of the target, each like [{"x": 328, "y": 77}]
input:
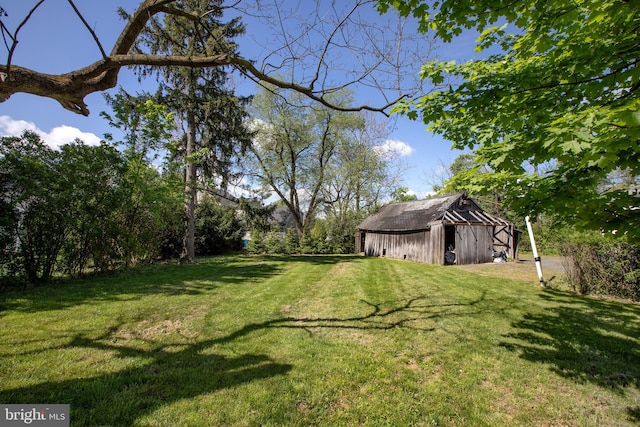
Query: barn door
[{"x": 474, "y": 244}]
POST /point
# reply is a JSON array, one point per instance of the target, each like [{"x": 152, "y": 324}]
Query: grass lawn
[{"x": 341, "y": 340}]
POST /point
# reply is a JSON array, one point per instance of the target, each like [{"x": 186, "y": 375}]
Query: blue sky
[{"x": 55, "y": 41}]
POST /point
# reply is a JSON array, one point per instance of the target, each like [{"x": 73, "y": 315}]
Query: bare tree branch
[
  {"x": 86, "y": 24},
  {"x": 306, "y": 55},
  {"x": 14, "y": 37}
]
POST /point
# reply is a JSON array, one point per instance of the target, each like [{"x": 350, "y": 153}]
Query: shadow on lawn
[
  {"x": 410, "y": 314},
  {"x": 167, "y": 374},
  {"x": 193, "y": 279},
  {"x": 164, "y": 376},
  {"x": 584, "y": 339}
]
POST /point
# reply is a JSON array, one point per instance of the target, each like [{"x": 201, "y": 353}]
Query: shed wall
[
  {"x": 435, "y": 248},
  {"x": 410, "y": 246},
  {"x": 474, "y": 244}
]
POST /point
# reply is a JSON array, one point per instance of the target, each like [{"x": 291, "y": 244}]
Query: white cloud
[
  {"x": 392, "y": 148},
  {"x": 55, "y": 138}
]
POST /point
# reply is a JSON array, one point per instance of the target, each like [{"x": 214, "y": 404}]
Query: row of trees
[
  {"x": 96, "y": 208},
  {"x": 300, "y": 149}
]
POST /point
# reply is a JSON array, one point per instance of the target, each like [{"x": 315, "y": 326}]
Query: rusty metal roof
[{"x": 421, "y": 214}]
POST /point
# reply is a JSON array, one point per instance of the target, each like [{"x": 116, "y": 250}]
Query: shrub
[
  {"x": 602, "y": 266},
  {"x": 274, "y": 242},
  {"x": 218, "y": 229},
  {"x": 291, "y": 242},
  {"x": 256, "y": 243}
]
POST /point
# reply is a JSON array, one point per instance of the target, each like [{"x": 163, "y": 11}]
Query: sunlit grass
[{"x": 320, "y": 341}]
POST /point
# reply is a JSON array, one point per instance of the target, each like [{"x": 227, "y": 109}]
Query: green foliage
[
  {"x": 401, "y": 194},
  {"x": 150, "y": 203},
  {"x": 83, "y": 207},
  {"x": 201, "y": 98},
  {"x": 255, "y": 215},
  {"x": 37, "y": 207},
  {"x": 257, "y": 242},
  {"x": 95, "y": 189},
  {"x": 558, "y": 86},
  {"x": 218, "y": 228},
  {"x": 146, "y": 124},
  {"x": 291, "y": 242},
  {"x": 327, "y": 236},
  {"x": 320, "y": 238},
  {"x": 274, "y": 242},
  {"x": 307, "y": 244},
  {"x": 602, "y": 266}
]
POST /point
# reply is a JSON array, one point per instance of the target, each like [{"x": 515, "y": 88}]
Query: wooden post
[{"x": 536, "y": 257}]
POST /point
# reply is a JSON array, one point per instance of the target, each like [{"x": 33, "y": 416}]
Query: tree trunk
[{"x": 188, "y": 240}]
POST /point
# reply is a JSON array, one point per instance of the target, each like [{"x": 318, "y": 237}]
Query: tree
[
  {"x": 218, "y": 228},
  {"x": 65, "y": 210},
  {"x": 295, "y": 145},
  {"x": 213, "y": 117},
  {"x": 401, "y": 194},
  {"x": 337, "y": 31},
  {"x": 442, "y": 179},
  {"x": 34, "y": 191},
  {"x": 94, "y": 178},
  {"x": 149, "y": 200},
  {"x": 464, "y": 174},
  {"x": 559, "y": 85},
  {"x": 361, "y": 173}
]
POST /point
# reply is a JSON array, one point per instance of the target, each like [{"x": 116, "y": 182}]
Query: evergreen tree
[{"x": 211, "y": 116}]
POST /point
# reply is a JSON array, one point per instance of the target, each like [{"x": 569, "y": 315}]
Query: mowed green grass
[{"x": 315, "y": 341}]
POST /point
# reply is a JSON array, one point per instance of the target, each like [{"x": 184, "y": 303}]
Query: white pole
[{"x": 535, "y": 251}]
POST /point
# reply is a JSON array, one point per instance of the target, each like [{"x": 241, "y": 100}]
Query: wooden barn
[{"x": 444, "y": 230}]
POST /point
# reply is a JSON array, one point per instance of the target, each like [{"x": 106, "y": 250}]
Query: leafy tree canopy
[
  {"x": 402, "y": 194},
  {"x": 561, "y": 91}
]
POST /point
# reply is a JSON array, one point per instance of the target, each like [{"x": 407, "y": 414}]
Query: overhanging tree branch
[{"x": 70, "y": 89}]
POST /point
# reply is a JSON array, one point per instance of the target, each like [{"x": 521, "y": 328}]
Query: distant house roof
[
  {"x": 421, "y": 214},
  {"x": 283, "y": 218}
]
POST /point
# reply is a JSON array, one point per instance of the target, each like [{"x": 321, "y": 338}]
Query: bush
[
  {"x": 218, "y": 229},
  {"x": 602, "y": 266},
  {"x": 274, "y": 242},
  {"x": 291, "y": 242}
]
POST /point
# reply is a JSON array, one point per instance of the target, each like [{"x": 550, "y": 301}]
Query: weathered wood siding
[
  {"x": 410, "y": 246},
  {"x": 474, "y": 244},
  {"x": 435, "y": 247},
  {"x": 421, "y": 246}
]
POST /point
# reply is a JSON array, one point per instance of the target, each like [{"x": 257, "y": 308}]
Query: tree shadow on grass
[
  {"x": 159, "y": 377},
  {"x": 583, "y": 339},
  {"x": 204, "y": 275},
  {"x": 413, "y": 313},
  {"x": 193, "y": 279},
  {"x": 168, "y": 373}
]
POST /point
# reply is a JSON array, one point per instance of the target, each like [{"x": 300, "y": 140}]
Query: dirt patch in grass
[
  {"x": 523, "y": 269},
  {"x": 151, "y": 329}
]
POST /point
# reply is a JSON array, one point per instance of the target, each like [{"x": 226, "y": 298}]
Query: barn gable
[
  {"x": 409, "y": 216},
  {"x": 424, "y": 230}
]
